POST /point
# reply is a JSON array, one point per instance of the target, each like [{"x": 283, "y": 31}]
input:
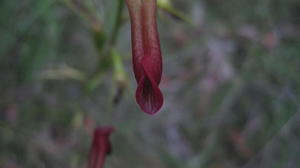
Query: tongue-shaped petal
[{"x": 148, "y": 95}]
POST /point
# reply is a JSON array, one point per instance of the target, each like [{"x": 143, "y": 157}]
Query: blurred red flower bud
[
  {"x": 101, "y": 147},
  {"x": 146, "y": 54}
]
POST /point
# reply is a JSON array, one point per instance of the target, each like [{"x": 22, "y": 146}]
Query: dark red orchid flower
[
  {"x": 101, "y": 147},
  {"x": 146, "y": 54}
]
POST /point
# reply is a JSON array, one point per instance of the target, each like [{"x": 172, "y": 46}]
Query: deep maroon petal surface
[
  {"x": 147, "y": 60},
  {"x": 100, "y": 147}
]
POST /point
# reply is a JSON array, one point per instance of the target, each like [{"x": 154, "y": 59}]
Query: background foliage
[{"x": 231, "y": 84}]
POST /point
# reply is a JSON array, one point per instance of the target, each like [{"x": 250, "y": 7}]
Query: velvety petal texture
[
  {"x": 146, "y": 54},
  {"x": 101, "y": 147}
]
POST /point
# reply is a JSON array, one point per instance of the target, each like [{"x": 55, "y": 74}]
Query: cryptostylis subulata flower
[
  {"x": 101, "y": 147},
  {"x": 146, "y": 54}
]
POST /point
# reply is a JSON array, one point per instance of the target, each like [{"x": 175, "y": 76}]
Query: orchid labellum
[
  {"x": 146, "y": 54},
  {"x": 101, "y": 147}
]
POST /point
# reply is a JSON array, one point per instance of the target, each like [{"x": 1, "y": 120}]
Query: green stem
[
  {"x": 175, "y": 13},
  {"x": 106, "y": 61},
  {"x": 118, "y": 22}
]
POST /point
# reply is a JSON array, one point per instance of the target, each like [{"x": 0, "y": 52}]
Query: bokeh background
[{"x": 231, "y": 84}]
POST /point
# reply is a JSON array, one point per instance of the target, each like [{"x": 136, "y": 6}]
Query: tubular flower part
[
  {"x": 146, "y": 54},
  {"x": 100, "y": 147}
]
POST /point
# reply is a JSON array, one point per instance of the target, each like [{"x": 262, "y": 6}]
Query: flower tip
[
  {"x": 100, "y": 147},
  {"x": 149, "y": 98},
  {"x": 106, "y": 130}
]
